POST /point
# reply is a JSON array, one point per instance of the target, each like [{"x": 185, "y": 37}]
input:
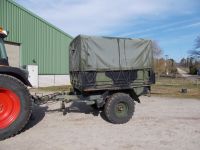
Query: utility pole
[{"x": 166, "y": 66}]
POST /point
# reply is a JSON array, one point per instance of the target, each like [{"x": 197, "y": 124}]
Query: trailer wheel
[
  {"x": 15, "y": 106},
  {"x": 119, "y": 108}
]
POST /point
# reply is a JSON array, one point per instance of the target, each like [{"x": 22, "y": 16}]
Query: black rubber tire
[
  {"x": 111, "y": 104},
  {"x": 22, "y": 92}
]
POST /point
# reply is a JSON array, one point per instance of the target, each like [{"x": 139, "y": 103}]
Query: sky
[{"x": 173, "y": 24}]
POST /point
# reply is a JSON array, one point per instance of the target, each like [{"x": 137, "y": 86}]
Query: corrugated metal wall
[{"x": 40, "y": 41}]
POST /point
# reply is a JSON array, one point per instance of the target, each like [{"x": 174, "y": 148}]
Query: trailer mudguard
[{"x": 18, "y": 73}]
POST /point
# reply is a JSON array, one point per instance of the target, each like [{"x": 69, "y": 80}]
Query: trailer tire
[
  {"x": 15, "y": 106},
  {"x": 119, "y": 108}
]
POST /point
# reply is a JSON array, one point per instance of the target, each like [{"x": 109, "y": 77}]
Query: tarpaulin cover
[{"x": 91, "y": 53}]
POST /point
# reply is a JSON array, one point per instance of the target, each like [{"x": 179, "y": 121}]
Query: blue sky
[{"x": 174, "y": 24}]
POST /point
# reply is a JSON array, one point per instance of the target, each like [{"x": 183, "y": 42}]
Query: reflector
[{"x": 3, "y": 32}]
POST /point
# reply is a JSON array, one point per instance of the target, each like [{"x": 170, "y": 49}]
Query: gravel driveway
[{"x": 158, "y": 124}]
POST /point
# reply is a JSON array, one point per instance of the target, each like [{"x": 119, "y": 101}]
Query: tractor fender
[{"x": 18, "y": 73}]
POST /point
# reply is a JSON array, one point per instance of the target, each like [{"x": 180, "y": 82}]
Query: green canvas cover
[{"x": 91, "y": 53}]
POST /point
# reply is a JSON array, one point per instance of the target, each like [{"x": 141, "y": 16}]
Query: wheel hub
[
  {"x": 9, "y": 107},
  {"x": 121, "y": 109}
]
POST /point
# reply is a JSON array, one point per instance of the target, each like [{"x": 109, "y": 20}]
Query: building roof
[{"x": 36, "y": 16}]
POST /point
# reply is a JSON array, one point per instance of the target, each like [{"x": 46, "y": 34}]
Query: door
[{"x": 13, "y": 52}]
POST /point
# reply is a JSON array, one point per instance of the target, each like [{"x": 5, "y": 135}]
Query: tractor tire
[
  {"x": 15, "y": 106},
  {"x": 119, "y": 108}
]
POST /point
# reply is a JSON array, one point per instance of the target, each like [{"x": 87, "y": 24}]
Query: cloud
[
  {"x": 185, "y": 26},
  {"x": 179, "y": 25},
  {"x": 167, "y": 27},
  {"x": 104, "y": 17}
]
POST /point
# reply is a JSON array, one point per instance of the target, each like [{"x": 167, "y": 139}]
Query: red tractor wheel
[
  {"x": 15, "y": 106},
  {"x": 9, "y": 107}
]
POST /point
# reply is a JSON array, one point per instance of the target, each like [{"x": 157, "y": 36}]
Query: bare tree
[
  {"x": 159, "y": 62},
  {"x": 197, "y": 42},
  {"x": 183, "y": 62},
  {"x": 157, "y": 51},
  {"x": 196, "y": 52}
]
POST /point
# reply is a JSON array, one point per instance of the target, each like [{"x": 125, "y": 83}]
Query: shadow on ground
[
  {"x": 80, "y": 107},
  {"x": 39, "y": 112}
]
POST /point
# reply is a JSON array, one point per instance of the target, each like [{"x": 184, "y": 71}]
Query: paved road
[
  {"x": 186, "y": 75},
  {"x": 158, "y": 124}
]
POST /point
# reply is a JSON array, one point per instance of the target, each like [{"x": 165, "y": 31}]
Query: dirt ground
[{"x": 158, "y": 124}]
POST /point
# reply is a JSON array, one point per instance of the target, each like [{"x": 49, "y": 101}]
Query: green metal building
[{"x": 39, "y": 42}]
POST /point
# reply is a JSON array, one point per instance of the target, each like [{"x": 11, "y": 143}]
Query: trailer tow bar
[{"x": 64, "y": 98}]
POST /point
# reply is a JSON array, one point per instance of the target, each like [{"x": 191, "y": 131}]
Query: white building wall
[
  {"x": 33, "y": 75},
  {"x": 53, "y": 80},
  {"x": 45, "y": 80}
]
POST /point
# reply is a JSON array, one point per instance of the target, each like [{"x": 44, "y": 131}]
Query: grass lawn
[
  {"x": 165, "y": 86},
  {"x": 171, "y": 87}
]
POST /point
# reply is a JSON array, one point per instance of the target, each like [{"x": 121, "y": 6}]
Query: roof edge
[{"x": 38, "y": 17}]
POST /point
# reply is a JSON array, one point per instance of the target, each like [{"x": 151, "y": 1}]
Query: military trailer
[
  {"x": 112, "y": 72},
  {"x": 105, "y": 72}
]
